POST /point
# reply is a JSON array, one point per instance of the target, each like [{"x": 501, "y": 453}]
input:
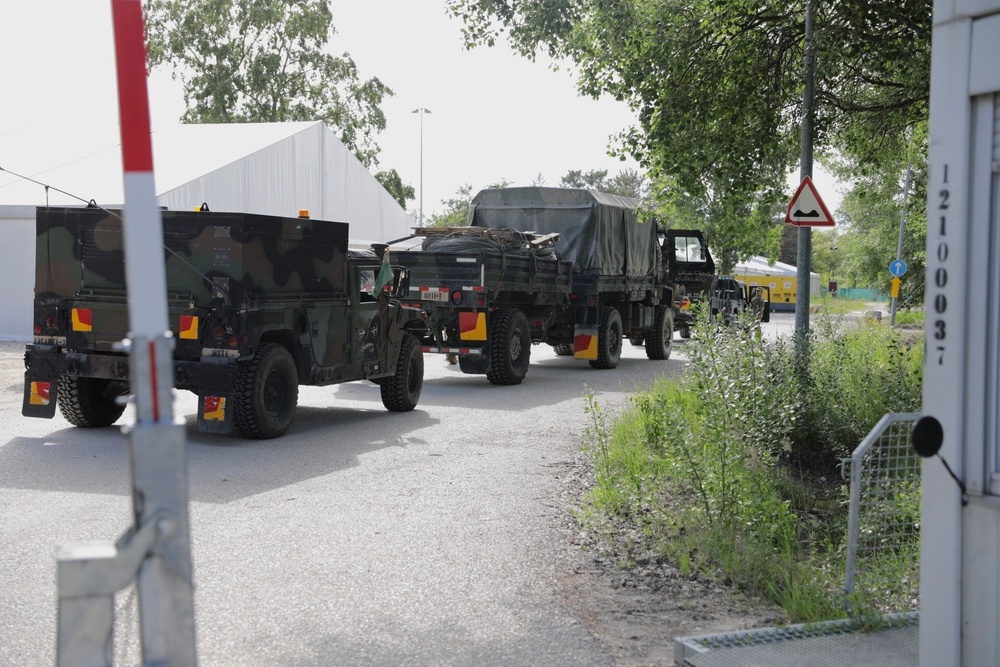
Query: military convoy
[
  {"x": 572, "y": 268},
  {"x": 257, "y": 305}
]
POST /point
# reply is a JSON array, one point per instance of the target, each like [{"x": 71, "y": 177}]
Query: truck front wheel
[
  {"x": 609, "y": 340},
  {"x": 89, "y": 402},
  {"x": 267, "y": 391},
  {"x": 510, "y": 347},
  {"x": 660, "y": 340},
  {"x": 401, "y": 392}
]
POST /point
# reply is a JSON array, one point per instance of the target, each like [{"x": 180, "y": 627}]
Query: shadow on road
[{"x": 321, "y": 441}]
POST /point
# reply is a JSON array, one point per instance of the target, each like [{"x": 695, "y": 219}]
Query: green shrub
[{"x": 732, "y": 468}]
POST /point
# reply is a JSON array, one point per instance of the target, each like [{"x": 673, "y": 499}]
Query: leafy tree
[
  {"x": 393, "y": 184},
  {"x": 873, "y": 209},
  {"x": 717, "y": 89},
  {"x": 266, "y": 61},
  {"x": 456, "y": 209},
  {"x": 627, "y": 183}
]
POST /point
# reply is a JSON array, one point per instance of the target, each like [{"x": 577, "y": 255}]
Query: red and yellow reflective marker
[{"x": 472, "y": 326}]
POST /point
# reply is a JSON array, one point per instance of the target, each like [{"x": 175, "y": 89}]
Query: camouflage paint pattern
[{"x": 234, "y": 281}]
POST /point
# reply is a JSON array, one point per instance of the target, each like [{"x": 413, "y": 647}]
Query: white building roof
[{"x": 268, "y": 168}]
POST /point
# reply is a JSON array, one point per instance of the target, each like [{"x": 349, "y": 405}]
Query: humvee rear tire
[
  {"x": 563, "y": 349},
  {"x": 510, "y": 347},
  {"x": 609, "y": 340},
  {"x": 637, "y": 340},
  {"x": 267, "y": 391},
  {"x": 401, "y": 392},
  {"x": 660, "y": 339},
  {"x": 89, "y": 402}
]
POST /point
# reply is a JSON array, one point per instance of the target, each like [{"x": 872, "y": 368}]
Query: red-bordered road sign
[{"x": 807, "y": 208}]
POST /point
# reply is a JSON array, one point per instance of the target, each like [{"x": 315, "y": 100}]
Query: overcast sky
[{"x": 494, "y": 115}]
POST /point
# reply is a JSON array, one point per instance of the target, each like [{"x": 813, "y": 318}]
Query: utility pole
[
  {"x": 899, "y": 243},
  {"x": 804, "y": 248}
]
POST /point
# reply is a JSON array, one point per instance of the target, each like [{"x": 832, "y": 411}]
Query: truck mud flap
[
  {"x": 215, "y": 413},
  {"x": 585, "y": 342},
  {"x": 39, "y": 398}
]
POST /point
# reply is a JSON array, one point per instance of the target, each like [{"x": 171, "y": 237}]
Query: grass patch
[{"x": 731, "y": 470}]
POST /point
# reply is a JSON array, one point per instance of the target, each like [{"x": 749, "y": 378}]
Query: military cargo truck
[
  {"x": 258, "y": 305},
  {"x": 568, "y": 267},
  {"x": 619, "y": 287},
  {"x": 489, "y": 294},
  {"x": 690, "y": 269}
]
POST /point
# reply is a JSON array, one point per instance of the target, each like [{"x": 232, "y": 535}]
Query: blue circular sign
[{"x": 897, "y": 267}]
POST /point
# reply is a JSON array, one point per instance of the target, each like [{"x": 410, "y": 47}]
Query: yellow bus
[{"x": 782, "y": 289}]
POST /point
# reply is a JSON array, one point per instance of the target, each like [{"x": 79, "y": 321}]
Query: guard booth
[{"x": 960, "y": 531}]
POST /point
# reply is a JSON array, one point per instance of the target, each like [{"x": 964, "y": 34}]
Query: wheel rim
[
  {"x": 275, "y": 394},
  {"x": 614, "y": 339},
  {"x": 516, "y": 346}
]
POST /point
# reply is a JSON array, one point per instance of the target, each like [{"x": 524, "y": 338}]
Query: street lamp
[{"x": 421, "y": 111}]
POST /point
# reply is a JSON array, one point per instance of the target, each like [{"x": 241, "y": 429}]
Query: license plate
[{"x": 433, "y": 296}]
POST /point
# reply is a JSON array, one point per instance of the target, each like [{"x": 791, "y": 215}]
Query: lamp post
[{"x": 421, "y": 111}]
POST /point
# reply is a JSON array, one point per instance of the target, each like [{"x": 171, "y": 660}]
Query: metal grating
[{"x": 892, "y": 644}]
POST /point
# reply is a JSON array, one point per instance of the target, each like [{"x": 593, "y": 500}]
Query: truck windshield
[{"x": 688, "y": 249}]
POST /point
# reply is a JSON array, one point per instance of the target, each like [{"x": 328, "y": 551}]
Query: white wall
[{"x": 17, "y": 271}]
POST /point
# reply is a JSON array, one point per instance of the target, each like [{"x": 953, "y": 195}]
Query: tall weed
[{"x": 700, "y": 467}]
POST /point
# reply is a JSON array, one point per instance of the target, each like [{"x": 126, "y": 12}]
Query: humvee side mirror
[{"x": 400, "y": 282}]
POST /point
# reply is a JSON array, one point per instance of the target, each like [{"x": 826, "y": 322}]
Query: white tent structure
[{"x": 267, "y": 168}]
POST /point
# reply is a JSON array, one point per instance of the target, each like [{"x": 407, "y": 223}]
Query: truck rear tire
[
  {"x": 510, "y": 347},
  {"x": 685, "y": 332},
  {"x": 401, "y": 392},
  {"x": 563, "y": 349},
  {"x": 89, "y": 402},
  {"x": 637, "y": 340},
  {"x": 609, "y": 340},
  {"x": 267, "y": 391},
  {"x": 660, "y": 339}
]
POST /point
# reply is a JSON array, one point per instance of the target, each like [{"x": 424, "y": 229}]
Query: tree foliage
[
  {"x": 627, "y": 182},
  {"x": 456, "y": 209},
  {"x": 717, "y": 89},
  {"x": 394, "y": 185},
  {"x": 265, "y": 61},
  {"x": 874, "y": 209}
]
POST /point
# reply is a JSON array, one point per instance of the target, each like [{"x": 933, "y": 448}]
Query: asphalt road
[{"x": 361, "y": 537}]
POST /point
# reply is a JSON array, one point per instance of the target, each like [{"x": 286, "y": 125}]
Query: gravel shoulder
[{"x": 637, "y": 612}]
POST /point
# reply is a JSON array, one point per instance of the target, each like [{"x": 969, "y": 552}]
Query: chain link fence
[{"x": 883, "y": 541}]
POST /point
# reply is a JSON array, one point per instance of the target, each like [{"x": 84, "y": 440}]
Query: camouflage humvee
[{"x": 257, "y": 306}]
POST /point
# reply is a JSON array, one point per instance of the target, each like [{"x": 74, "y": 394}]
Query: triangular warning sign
[{"x": 807, "y": 208}]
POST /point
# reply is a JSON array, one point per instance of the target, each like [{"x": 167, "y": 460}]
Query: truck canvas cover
[{"x": 599, "y": 232}]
